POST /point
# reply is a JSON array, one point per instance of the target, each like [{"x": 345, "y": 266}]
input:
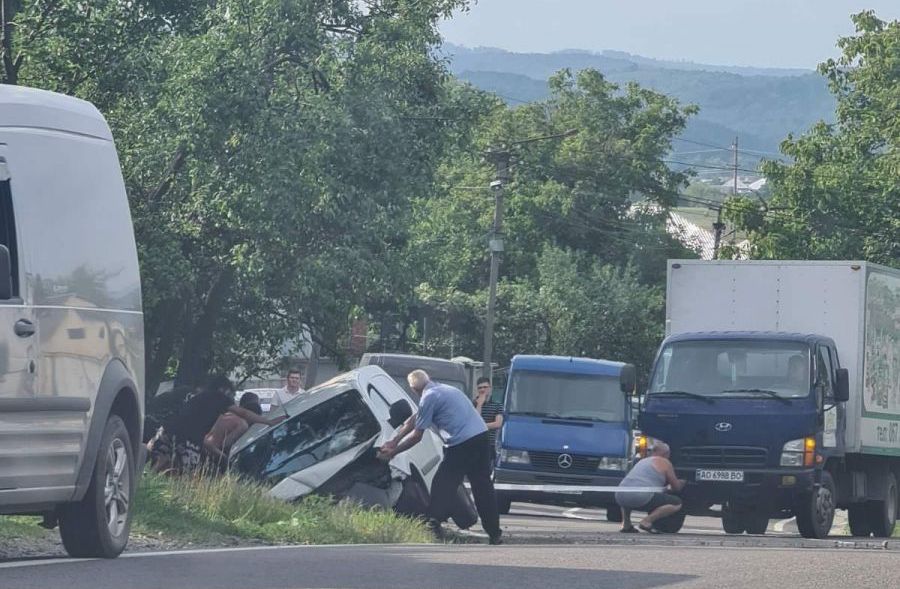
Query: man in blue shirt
[{"x": 466, "y": 454}]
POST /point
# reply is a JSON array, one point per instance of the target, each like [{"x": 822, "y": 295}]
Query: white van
[{"x": 71, "y": 324}]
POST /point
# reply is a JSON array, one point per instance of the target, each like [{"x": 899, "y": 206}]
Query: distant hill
[{"x": 761, "y": 106}]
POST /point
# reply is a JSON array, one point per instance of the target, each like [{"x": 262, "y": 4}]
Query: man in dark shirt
[
  {"x": 178, "y": 443},
  {"x": 491, "y": 412}
]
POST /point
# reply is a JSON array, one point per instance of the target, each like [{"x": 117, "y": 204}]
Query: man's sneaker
[
  {"x": 435, "y": 528},
  {"x": 495, "y": 540}
]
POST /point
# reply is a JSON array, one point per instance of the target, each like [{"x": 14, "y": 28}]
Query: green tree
[
  {"x": 271, "y": 149},
  {"x": 840, "y": 198},
  {"x": 575, "y": 194}
]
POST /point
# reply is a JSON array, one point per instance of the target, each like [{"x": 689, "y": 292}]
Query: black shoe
[{"x": 495, "y": 540}]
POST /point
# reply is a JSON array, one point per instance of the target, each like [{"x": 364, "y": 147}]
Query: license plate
[{"x": 730, "y": 476}]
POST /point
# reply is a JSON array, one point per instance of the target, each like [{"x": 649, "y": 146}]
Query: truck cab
[
  {"x": 567, "y": 421},
  {"x": 776, "y": 391},
  {"x": 751, "y": 418}
]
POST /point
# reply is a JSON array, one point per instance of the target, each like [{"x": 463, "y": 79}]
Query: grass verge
[{"x": 203, "y": 509}]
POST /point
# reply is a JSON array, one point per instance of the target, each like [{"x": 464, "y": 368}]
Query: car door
[
  {"x": 18, "y": 413},
  {"x": 427, "y": 454}
]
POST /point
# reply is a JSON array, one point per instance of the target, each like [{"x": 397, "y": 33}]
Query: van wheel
[
  {"x": 883, "y": 514},
  {"x": 671, "y": 524},
  {"x": 815, "y": 510},
  {"x": 614, "y": 514},
  {"x": 98, "y": 525},
  {"x": 858, "y": 517}
]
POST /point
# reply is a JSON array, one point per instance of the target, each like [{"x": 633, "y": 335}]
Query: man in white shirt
[{"x": 291, "y": 390}]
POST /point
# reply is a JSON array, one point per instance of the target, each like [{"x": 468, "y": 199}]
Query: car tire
[
  {"x": 464, "y": 514},
  {"x": 98, "y": 525},
  {"x": 883, "y": 514},
  {"x": 858, "y": 518},
  {"x": 504, "y": 504},
  {"x": 671, "y": 524},
  {"x": 614, "y": 514},
  {"x": 815, "y": 510}
]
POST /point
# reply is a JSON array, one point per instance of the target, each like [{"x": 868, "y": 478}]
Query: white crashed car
[{"x": 328, "y": 445}]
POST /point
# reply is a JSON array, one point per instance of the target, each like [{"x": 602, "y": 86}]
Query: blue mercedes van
[{"x": 567, "y": 421}]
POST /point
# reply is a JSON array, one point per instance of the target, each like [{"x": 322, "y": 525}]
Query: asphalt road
[
  {"x": 449, "y": 566},
  {"x": 527, "y": 518}
]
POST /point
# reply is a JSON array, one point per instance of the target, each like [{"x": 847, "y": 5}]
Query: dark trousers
[{"x": 471, "y": 459}]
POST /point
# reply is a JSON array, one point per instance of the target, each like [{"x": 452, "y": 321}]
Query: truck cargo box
[{"x": 857, "y": 304}]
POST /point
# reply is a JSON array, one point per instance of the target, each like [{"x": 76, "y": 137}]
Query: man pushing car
[{"x": 467, "y": 451}]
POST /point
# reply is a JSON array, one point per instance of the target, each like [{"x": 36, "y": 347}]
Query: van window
[{"x": 8, "y": 225}]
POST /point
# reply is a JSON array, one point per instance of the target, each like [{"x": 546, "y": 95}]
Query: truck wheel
[
  {"x": 614, "y": 514},
  {"x": 858, "y": 516},
  {"x": 671, "y": 524},
  {"x": 98, "y": 525},
  {"x": 883, "y": 514},
  {"x": 815, "y": 511},
  {"x": 756, "y": 523},
  {"x": 732, "y": 523},
  {"x": 504, "y": 504}
]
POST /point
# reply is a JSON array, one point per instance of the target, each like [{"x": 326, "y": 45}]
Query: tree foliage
[
  {"x": 840, "y": 197},
  {"x": 271, "y": 149},
  {"x": 570, "y": 202}
]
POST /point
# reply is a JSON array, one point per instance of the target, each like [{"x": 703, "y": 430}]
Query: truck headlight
[
  {"x": 613, "y": 463},
  {"x": 514, "y": 456},
  {"x": 799, "y": 452}
]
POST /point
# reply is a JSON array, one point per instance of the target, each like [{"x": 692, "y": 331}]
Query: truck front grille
[
  {"x": 721, "y": 456},
  {"x": 549, "y": 461}
]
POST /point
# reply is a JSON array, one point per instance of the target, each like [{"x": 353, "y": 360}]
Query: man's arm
[
  {"x": 497, "y": 423},
  {"x": 253, "y": 417},
  {"x": 673, "y": 481},
  {"x": 408, "y": 442},
  {"x": 400, "y": 433}
]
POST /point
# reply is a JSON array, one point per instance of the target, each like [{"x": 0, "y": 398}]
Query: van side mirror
[
  {"x": 6, "y": 281},
  {"x": 842, "y": 386},
  {"x": 628, "y": 379}
]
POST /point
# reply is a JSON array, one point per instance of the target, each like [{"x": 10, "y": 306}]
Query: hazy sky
[{"x": 770, "y": 33}]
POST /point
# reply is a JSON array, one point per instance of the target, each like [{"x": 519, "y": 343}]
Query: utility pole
[
  {"x": 734, "y": 189},
  {"x": 718, "y": 228},
  {"x": 500, "y": 158}
]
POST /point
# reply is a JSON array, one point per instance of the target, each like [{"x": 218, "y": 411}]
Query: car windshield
[
  {"x": 717, "y": 368},
  {"x": 568, "y": 396},
  {"x": 323, "y": 431}
]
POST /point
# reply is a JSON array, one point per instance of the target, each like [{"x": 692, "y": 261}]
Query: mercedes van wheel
[
  {"x": 815, "y": 510},
  {"x": 98, "y": 525},
  {"x": 614, "y": 514}
]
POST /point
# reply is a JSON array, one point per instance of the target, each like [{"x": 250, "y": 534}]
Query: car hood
[{"x": 523, "y": 432}]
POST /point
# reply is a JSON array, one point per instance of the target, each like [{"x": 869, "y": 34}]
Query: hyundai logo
[
  {"x": 723, "y": 426},
  {"x": 565, "y": 461}
]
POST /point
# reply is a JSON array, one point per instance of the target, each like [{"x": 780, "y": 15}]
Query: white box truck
[{"x": 778, "y": 390}]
